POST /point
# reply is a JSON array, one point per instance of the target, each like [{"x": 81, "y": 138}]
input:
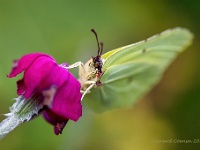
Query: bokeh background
[{"x": 61, "y": 28}]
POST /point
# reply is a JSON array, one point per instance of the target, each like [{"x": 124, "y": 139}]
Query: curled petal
[{"x": 25, "y": 62}]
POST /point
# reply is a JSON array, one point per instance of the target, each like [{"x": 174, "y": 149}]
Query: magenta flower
[{"x": 53, "y": 85}]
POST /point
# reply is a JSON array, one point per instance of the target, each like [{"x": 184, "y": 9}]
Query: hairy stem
[
  {"x": 21, "y": 111},
  {"x": 8, "y": 124}
]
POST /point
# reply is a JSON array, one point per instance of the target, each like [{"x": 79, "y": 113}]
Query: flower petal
[
  {"x": 55, "y": 79},
  {"x": 25, "y": 62},
  {"x": 37, "y": 77},
  {"x": 20, "y": 87},
  {"x": 57, "y": 121},
  {"x": 66, "y": 102},
  {"x": 59, "y": 127}
]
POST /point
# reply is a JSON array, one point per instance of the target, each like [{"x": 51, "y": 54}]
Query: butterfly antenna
[
  {"x": 101, "y": 50},
  {"x": 99, "y": 44}
]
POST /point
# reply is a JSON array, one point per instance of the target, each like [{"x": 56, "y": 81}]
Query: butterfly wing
[{"x": 131, "y": 71}]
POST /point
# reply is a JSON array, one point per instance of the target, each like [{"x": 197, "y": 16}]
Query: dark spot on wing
[
  {"x": 144, "y": 50},
  {"x": 130, "y": 79}
]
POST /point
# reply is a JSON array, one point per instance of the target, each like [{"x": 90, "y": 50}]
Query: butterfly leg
[
  {"x": 75, "y": 65},
  {"x": 92, "y": 83}
]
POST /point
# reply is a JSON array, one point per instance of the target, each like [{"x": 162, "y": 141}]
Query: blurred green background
[{"x": 61, "y": 28}]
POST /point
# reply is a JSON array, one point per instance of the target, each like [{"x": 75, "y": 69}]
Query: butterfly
[{"x": 122, "y": 76}]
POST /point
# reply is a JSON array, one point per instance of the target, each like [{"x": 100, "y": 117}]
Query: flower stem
[
  {"x": 8, "y": 124},
  {"x": 21, "y": 111}
]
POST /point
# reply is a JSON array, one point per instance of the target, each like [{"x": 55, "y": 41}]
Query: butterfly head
[{"x": 97, "y": 60}]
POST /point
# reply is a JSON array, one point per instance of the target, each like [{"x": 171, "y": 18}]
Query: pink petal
[
  {"x": 57, "y": 121},
  {"x": 25, "y": 62},
  {"x": 37, "y": 77},
  {"x": 66, "y": 102}
]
